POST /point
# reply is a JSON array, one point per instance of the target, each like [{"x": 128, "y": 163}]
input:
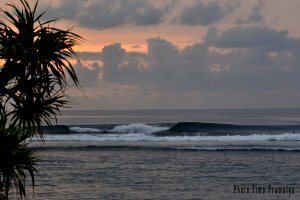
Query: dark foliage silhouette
[{"x": 33, "y": 79}]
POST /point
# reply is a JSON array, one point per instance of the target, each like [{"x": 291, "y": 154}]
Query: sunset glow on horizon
[{"x": 184, "y": 54}]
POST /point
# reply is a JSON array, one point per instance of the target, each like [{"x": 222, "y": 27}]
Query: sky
[{"x": 179, "y": 54}]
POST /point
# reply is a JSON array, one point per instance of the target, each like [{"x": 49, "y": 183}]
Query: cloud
[
  {"x": 205, "y": 14},
  {"x": 136, "y": 46},
  {"x": 120, "y": 66},
  {"x": 88, "y": 75},
  {"x": 88, "y": 68},
  {"x": 100, "y": 14},
  {"x": 259, "y": 59},
  {"x": 104, "y": 14},
  {"x": 256, "y": 15},
  {"x": 259, "y": 37},
  {"x": 84, "y": 55},
  {"x": 161, "y": 50}
]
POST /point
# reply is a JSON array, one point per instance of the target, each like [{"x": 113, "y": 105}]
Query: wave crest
[
  {"x": 137, "y": 128},
  {"x": 84, "y": 130}
]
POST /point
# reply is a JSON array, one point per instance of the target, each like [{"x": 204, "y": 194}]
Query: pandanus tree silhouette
[
  {"x": 17, "y": 162},
  {"x": 33, "y": 79}
]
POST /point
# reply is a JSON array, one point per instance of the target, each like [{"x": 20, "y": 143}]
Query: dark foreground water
[
  {"x": 155, "y": 154},
  {"x": 72, "y": 171}
]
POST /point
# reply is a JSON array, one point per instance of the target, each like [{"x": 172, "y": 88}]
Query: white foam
[
  {"x": 254, "y": 137},
  {"x": 84, "y": 130},
  {"x": 98, "y": 137},
  {"x": 148, "y": 137},
  {"x": 137, "y": 128}
]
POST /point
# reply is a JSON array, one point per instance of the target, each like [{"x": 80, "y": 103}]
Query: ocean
[{"x": 171, "y": 154}]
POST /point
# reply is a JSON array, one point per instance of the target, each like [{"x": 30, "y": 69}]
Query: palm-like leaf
[
  {"x": 28, "y": 44},
  {"x": 39, "y": 105},
  {"x": 33, "y": 80},
  {"x": 34, "y": 76},
  {"x": 20, "y": 161}
]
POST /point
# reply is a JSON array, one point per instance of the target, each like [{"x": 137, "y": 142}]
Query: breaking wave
[
  {"x": 178, "y": 129},
  {"x": 148, "y": 137},
  {"x": 137, "y": 128},
  {"x": 84, "y": 130}
]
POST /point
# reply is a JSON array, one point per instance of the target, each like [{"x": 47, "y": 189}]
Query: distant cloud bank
[{"x": 240, "y": 58}]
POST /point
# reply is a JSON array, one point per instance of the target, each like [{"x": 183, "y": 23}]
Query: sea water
[{"x": 171, "y": 154}]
